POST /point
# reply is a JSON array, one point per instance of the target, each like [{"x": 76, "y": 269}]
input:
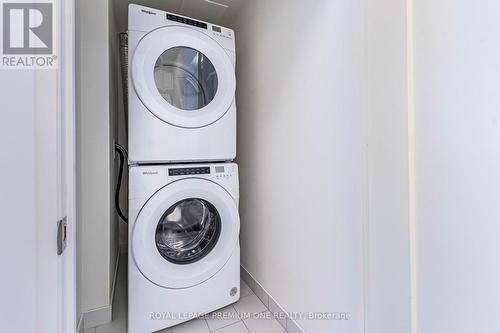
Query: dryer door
[
  {"x": 183, "y": 76},
  {"x": 185, "y": 233}
]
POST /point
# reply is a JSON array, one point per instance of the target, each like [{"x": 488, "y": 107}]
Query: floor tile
[
  {"x": 222, "y": 317},
  {"x": 192, "y": 326},
  {"x": 245, "y": 289},
  {"x": 263, "y": 323},
  {"x": 249, "y": 305},
  {"x": 239, "y": 327}
]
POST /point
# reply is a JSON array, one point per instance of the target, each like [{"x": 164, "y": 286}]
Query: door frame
[
  {"x": 66, "y": 140},
  {"x": 67, "y": 263}
]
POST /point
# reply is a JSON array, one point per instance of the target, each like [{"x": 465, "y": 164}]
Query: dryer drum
[
  {"x": 188, "y": 231},
  {"x": 185, "y": 78}
]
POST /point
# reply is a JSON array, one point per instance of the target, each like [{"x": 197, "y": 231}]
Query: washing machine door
[
  {"x": 183, "y": 76},
  {"x": 185, "y": 233}
]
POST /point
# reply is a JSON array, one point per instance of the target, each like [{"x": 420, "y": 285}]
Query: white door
[
  {"x": 185, "y": 233},
  {"x": 183, "y": 76},
  {"x": 37, "y": 284}
]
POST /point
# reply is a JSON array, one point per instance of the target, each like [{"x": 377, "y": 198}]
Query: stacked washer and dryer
[{"x": 184, "y": 254}]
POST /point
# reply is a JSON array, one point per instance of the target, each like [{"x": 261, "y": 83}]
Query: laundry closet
[
  {"x": 250, "y": 166},
  {"x": 283, "y": 135}
]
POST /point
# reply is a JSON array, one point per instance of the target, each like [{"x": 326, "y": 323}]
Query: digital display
[
  {"x": 219, "y": 169},
  {"x": 186, "y": 21},
  {"x": 216, "y": 29},
  {"x": 189, "y": 171}
]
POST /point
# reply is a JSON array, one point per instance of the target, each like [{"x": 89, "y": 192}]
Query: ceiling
[{"x": 213, "y": 11}]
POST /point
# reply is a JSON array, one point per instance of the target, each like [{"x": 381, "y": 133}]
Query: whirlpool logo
[
  {"x": 28, "y": 35},
  {"x": 150, "y": 173}
]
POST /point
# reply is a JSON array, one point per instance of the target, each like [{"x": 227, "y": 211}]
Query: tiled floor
[{"x": 248, "y": 315}]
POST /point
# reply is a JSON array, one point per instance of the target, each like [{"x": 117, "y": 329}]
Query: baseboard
[
  {"x": 282, "y": 316},
  {"x": 79, "y": 327},
  {"x": 115, "y": 278},
  {"x": 102, "y": 315},
  {"x": 97, "y": 317}
]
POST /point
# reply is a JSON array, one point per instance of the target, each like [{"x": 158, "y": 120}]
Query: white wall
[
  {"x": 387, "y": 210},
  {"x": 300, "y": 151},
  {"x": 96, "y": 219},
  {"x": 114, "y": 86},
  {"x": 118, "y": 24},
  {"x": 457, "y": 103}
]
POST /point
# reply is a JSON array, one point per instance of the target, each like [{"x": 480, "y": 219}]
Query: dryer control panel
[
  {"x": 215, "y": 30},
  {"x": 186, "y": 20},
  {"x": 147, "y": 19}
]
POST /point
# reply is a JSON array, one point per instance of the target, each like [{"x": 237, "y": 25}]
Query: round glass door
[
  {"x": 188, "y": 231},
  {"x": 185, "y": 78},
  {"x": 185, "y": 233}
]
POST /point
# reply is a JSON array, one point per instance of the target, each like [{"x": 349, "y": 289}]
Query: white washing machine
[
  {"x": 184, "y": 253},
  {"x": 181, "y": 89}
]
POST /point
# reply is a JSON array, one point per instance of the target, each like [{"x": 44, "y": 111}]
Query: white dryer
[
  {"x": 184, "y": 253},
  {"x": 181, "y": 88}
]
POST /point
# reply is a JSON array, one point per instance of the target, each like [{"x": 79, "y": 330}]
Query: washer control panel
[
  {"x": 188, "y": 171},
  {"x": 223, "y": 171}
]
